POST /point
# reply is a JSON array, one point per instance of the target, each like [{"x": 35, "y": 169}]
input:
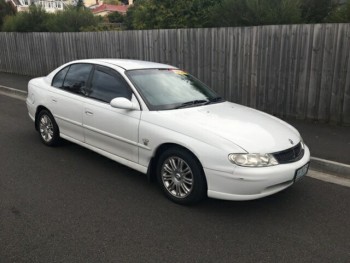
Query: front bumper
[{"x": 246, "y": 183}]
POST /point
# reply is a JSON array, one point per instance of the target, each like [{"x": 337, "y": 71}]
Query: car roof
[{"x": 128, "y": 64}]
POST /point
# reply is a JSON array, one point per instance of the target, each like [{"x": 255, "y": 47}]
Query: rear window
[{"x": 59, "y": 78}]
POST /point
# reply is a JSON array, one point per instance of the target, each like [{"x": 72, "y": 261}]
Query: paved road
[
  {"x": 14, "y": 81},
  {"x": 68, "y": 204},
  {"x": 330, "y": 142}
]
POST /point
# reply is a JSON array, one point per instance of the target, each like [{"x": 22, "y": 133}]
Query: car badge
[{"x": 291, "y": 141}]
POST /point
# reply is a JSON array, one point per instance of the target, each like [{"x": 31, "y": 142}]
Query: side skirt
[{"x": 135, "y": 166}]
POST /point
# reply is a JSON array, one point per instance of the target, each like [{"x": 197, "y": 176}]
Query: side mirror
[{"x": 123, "y": 103}]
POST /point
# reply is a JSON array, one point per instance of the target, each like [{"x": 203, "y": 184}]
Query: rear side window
[
  {"x": 107, "y": 85},
  {"x": 77, "y": 78},
  {"x": 59, "y": 78}
]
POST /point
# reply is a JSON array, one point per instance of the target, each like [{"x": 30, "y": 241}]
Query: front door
[{"x": 112, "y": 130}]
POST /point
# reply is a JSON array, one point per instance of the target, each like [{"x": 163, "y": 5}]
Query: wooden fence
[{"x": 298, "y": 71}]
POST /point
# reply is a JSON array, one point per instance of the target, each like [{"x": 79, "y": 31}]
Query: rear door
[{"x": 67, "y": 99}]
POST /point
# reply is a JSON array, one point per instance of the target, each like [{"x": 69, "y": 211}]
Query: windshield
[{"x": 164, "y": 89}]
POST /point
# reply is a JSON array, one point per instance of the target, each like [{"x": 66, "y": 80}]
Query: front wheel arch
[
  {"x": 199, "y": 190},
  {"x": 151, "y": 172}
]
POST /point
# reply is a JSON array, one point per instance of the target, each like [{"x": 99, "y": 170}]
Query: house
[
  {"x": 50, "y": 6},
  {"x": 105, "y": 9}
]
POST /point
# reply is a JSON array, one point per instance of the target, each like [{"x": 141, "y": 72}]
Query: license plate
[{"x": 301, "y": 172}]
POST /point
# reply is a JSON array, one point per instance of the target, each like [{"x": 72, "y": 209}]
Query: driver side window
[{"x": 107, "y": 85}]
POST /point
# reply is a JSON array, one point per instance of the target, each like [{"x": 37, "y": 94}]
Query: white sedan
[{"x": 167, "y": 124}]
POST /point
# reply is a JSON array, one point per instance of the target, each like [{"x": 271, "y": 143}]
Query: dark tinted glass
[
  {"x": 106, "y": 86},
  {"x": 77, "y": 78},
  {"x": 59, "y": 78}
]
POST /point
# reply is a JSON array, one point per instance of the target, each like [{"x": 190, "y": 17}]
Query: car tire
[
  {"x": 47, "y": 128},
  {"x": 181, "y": 176}
]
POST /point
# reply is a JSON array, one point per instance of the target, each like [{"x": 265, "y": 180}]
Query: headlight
[{"x": 252, "y": 159}]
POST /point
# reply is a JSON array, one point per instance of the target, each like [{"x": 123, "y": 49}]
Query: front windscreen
[{"x": 165, "y": 89}]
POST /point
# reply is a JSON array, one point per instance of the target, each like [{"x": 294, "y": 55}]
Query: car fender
[
  {"x": 211, "y": 153},
  {"x": 37, "y": 95}
]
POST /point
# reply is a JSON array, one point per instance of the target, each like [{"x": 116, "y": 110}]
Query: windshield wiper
[
  {"x": 213, "y": 100},
  {"x": 192, "y": 103}
]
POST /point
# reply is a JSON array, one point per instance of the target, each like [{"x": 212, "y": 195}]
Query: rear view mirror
[{"x": 123, "y": 103}]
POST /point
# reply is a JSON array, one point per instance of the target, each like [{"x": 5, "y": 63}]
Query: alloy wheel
[
  {"x": 46, "y": 128},
  {"x": 177, "y": 177}
]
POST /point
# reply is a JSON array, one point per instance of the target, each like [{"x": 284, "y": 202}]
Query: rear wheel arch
[
  {"x": 47, "y": 127},
  {"x": 38, "y": 110}
]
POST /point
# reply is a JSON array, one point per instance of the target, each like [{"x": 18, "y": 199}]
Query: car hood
[{"x": 252, "y": 130}]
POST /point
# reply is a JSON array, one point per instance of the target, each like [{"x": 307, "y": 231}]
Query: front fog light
[{"x": 253, "y": 159}]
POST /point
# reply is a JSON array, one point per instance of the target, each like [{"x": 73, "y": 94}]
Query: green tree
[
  {"x": 37, "y": 20},
  {"x": 116, "y": 17},
  {"x": 5, "y": 10},
  {"x": 148, "y": 14},
  {"x": 71, "y": 20},
  {"x": 80, "y": 4},
  {"x": 316, "y": 11},
  {"x": 255, "y": 12},
  {"x": 340, "y": 14},
  {"x": 32, "y": 21},
  {"x": 100, "y": 27}
]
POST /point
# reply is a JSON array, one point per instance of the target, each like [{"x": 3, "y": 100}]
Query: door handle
[{"x": 89, "y": 112}]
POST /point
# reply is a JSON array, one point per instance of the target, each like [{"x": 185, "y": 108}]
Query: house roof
[{"x": 110, "y": 8}]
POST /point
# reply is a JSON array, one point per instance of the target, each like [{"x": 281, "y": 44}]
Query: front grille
[{"x": 290, "y": 155}]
